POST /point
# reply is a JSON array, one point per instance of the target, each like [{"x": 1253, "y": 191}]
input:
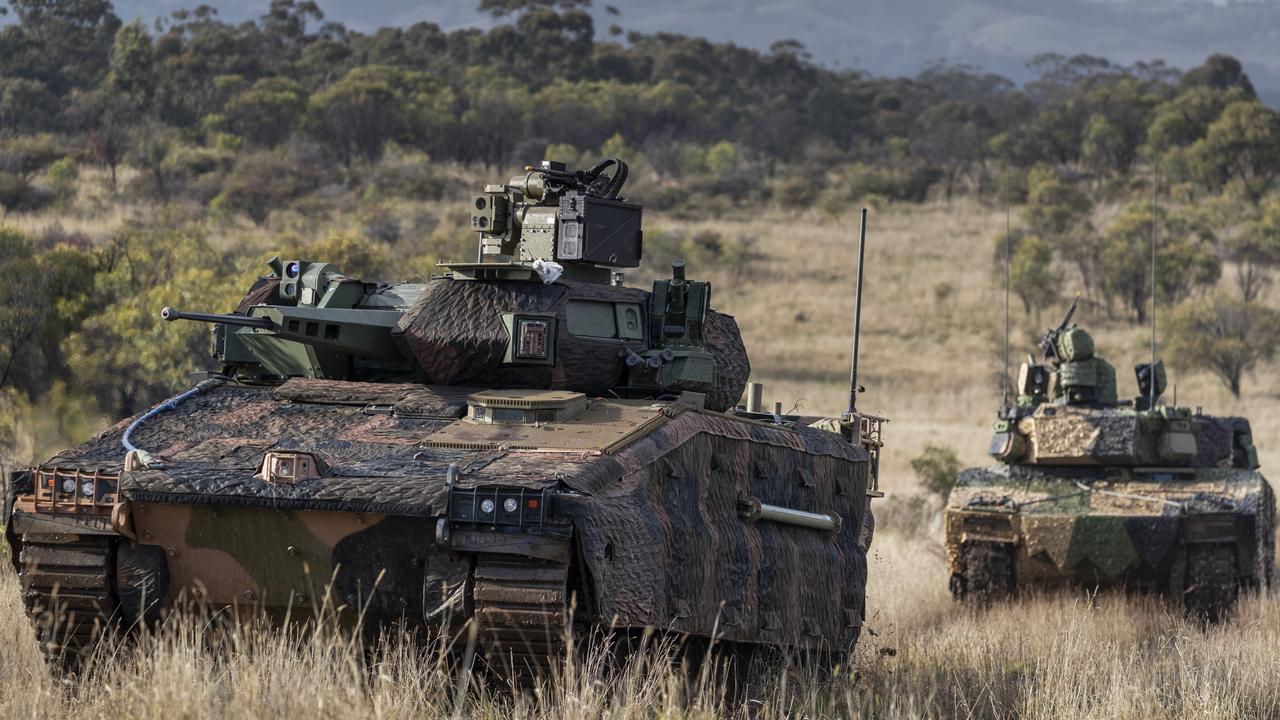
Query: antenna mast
[
  {"x": 1155, "y": 187},
  {"x": 857, "y": 315},
  {"x": 1008, "y": 261}
]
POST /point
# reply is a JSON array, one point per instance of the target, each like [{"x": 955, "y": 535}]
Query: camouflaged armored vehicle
[
  {"x": 516, "y": 439},
  {"x": 1097, "y": 492}
]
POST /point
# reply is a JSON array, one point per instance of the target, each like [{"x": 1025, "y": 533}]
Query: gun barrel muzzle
[{"x": 170, "y": 314}]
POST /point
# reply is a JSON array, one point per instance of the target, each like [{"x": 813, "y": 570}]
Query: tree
[
  {"x": 150, "y": 146},
  {"x": 1059, "y": 212},
  {"x": 953, "y": 135},
  {"x": 1248, "y": 238},
  {"x": 1256, "y": 250},
  {"x": 1185, "y": 259},
  {"x": 374, "y": 104},
  {"x": 26, "y": 106},
  {"x": 133, "y": 70},
  {"x": 266, "y": 113},
  {"x": 1220, "y": 72},
  {"x": 1242, "y": 148},
  {"x": 502, "y": 8},
  {"x": 1114, "y": 115},
  {"x": 360, "y": 113},
  {"x": 22, "y": 306},
  {"x": 107, "y": 119},
  {"x": 1186, "y": 118},
  {"x": 65, "y": 43},
  {"x": 1223, "y": 335},
  {"x": 123, "y": 353},
  {"x": 1033, "y": 278}
]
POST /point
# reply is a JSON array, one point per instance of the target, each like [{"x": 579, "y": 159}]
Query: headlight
[
  {"x": 486, "y": 507},
  {"x": 69, "y": 486},
  {"x": 86, "y": 488},
  {"x": 510, "y": 504}
]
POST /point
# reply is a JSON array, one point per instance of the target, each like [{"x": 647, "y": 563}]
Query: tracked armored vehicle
[
  {"x": 1096, "y": 492},
  {"x": 522, "y": 443}
]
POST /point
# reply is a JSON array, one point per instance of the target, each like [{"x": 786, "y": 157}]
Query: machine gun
[{"x": 1049, "y": 343}]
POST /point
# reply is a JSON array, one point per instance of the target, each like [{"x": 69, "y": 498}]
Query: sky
[{"x": 898, "y": 37}]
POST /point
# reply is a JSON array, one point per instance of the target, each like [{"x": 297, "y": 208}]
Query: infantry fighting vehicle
[
  {"x": 520, "y": 437},
  {"x": 1098, "y": 492}
]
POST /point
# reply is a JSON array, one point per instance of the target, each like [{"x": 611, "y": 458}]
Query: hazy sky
[{"x": 894, "y": 37}]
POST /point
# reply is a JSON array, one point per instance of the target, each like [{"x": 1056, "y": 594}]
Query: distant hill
[{"x": 892, "y": 37}]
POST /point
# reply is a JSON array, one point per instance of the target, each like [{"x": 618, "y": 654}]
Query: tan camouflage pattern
[{"x": 1116, "y": 528}]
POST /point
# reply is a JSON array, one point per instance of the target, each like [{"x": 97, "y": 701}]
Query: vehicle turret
[{"x": 542, "y": 307}]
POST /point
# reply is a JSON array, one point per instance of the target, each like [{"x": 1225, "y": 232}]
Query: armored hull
[
  {"x": 1155, "y": 501},
  {"x": 1197, "y": 537},
  {"x": 632, "y": 512}
]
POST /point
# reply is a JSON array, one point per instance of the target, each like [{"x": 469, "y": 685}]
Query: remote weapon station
[{"x": 522, "y": 443}]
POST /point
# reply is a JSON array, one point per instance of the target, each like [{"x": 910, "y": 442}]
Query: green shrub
[
  {"x": 63, "y": 175},
  {"x": 936, "y": 468}
]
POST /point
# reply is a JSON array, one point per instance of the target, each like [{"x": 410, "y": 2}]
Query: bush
[
  {"x": 704, "y": 251},
  {"x": 355, "y": 255},
  {"x": 63, "y": 175},
  {"x": 936, "y": 468},
  {"x": 17, "y": 194},
  {"x": 262, "y": 182},
  {"x": 797, "y": 192},
  {"x": 409, "y": 176}
]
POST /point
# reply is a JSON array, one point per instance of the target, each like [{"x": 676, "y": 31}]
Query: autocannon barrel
[{"x": 171, "y": 314}]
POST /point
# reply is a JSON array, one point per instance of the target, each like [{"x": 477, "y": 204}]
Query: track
[
  {"x": 521, "y": 610},
  {"x": 983, "y": 572},
  {"x": 68, "y": 591},
  {"x": 1212, "y": 581}
]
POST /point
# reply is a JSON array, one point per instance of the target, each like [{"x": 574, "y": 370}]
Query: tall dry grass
[
  {"x": 932, "y": 346},
  {"x": 1072, "y": 656}
]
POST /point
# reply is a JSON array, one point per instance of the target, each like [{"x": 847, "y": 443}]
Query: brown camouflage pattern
[
  {"x": 455, "y": 333},
  {"x": 651, "y": 496}
]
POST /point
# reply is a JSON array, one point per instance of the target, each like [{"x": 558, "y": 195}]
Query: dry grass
[
  {"x": 932, "y": 324},
  {"x": 1067, "y": 657}
]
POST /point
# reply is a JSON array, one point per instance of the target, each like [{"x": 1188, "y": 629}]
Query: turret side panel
[{"x": 456, "y": 333}]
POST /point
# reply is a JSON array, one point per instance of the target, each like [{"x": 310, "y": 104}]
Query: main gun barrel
[{"x": 170, "y": 314}]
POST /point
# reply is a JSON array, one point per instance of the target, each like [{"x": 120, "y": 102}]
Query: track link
[
  {"x": 521, "y": 611},
  {"x": 68, "y": 592}
]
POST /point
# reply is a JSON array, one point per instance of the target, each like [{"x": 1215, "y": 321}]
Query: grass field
[{"x": 932, "y": 354}]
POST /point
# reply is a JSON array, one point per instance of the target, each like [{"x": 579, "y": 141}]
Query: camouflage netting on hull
[
  {"x": 657, "y": 522},
  {"x": 687, "y": 562},
  {"x": 211, "y": 446},
  {"x": 456, "y": 333}
]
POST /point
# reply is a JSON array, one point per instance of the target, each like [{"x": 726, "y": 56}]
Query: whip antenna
[
  {"x": 1155, "y": 187},
  {"x": 857, "y": 315},
  {"x": 1008, "y": 261}
]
